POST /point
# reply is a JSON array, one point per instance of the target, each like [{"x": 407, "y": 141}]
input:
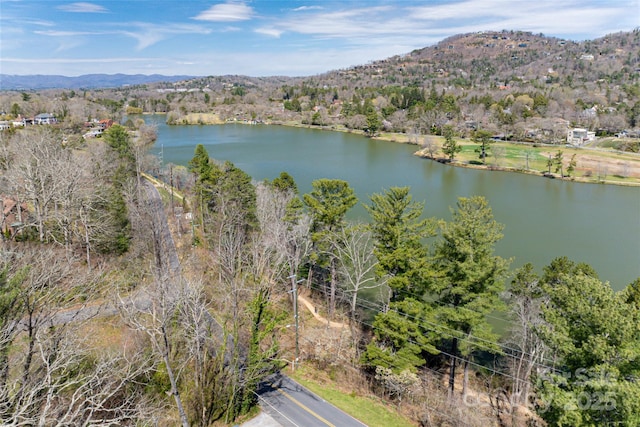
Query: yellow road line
[{"x": 288, "y": 396}]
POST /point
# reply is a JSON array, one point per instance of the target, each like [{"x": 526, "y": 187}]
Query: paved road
[
  {"x": 291, "y": 405},
  {"x": 169, "y": 252}
]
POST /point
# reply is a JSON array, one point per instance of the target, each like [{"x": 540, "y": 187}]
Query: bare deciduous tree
[
  {"x": 430, "y": 145},
  {"x": 152, "y": 312},
  {"x": 284, "y": 233},
  {"x": 498, "y": 153},
  {"x": 52, "y": 376},
  {"x": 74, "y": 386},
  {"x": 37, "y": 155},
  {"x": 525, "y": 300},
  {"x": 356, "y": 262}
]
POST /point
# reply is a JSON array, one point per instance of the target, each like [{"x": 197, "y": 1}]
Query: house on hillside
[
  {"x": 13, "y": 216},
  {"x": 19, "y": 122},
  {"x": 22, "y": 121},
  {"x": 105, "y": 124},
  {"x": 93, "y": 133},
  {"x": 45, "y": 119}
]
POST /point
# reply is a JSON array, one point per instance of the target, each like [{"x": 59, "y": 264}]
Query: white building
[
  {"x": 579, "y": 136},
  {"x": 45, "y": 119}
]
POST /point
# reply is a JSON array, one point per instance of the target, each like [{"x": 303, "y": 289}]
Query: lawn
[{"x": 596, "y": 165}]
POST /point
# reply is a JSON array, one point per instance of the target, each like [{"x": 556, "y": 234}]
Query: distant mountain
[
  {"x": 14, "y": 82},
  {"x": 501, "y": 59}
]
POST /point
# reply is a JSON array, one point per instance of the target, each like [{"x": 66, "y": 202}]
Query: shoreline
[
  {"x": 399, "y": 138},
  {"x": 532, "y": 172}
]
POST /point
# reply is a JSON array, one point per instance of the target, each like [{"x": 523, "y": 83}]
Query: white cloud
[
  {"x": 37, "y": 22},
  {"x": 303, "y": 8},
  {"x": 146, "y": 34},
  {"x": 87, "y": 65},
  {"x": 56, "y": 33},
  {"x": 296, "y": 40},
  {"x": 226, "y": 12},
  {"x": 150, "y": 34},
  {"x": 273, "y": 32},
  {"x": 229, "y": 29},
  {"x": 560, "y": 18},
  {"x": 345, "y": 23},
  {"x": 419, "y": 24},
  {"x": 295, "y": 62},
  {"x": 82, "y": 7}
]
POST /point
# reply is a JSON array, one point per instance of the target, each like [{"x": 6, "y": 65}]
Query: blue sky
[{"x": 269, "y": 37}]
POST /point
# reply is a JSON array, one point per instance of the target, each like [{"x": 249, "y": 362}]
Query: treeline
[{"x": 196, "y": 337}]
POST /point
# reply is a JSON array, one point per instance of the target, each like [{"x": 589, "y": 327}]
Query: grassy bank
[
  {"x": 370, "y": 411},
  {"x": 592, "y": 165}
]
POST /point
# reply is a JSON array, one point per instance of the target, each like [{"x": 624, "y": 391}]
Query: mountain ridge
[{"x": 483, "y": 57}]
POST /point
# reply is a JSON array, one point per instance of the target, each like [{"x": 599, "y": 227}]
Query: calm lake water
[{"x": 543, "y": 218}]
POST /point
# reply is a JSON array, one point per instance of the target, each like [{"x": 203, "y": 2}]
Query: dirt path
[{"x": 313, "y": 311}]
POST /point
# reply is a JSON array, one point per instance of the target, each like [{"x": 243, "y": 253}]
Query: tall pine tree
[
  {"x": 328, "y": 204},
  {"x": 469, "y": 281}
]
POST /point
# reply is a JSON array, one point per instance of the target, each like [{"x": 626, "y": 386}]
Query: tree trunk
[
  {"x": 172, "y": 380},
  {"x": 452, "y": 367},
  {"x": 465, "y": 381},
  {"x": 88, "y": 247},
  {"x": 354, "y": 304},
  {"x": 332, "y": 296}
]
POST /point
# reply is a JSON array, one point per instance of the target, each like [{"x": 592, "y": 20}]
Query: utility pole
[
  {"x": 295, "y": 317},
  {"x": 294, "y": 291},
  {"x": 171, "y": 187}
]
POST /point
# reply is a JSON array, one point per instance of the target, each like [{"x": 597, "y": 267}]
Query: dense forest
[{"x": 128, "y": 301}]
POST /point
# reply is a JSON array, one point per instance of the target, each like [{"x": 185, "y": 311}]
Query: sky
[{"x": 269, "y": 37}]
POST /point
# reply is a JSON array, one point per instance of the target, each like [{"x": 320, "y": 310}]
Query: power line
[
  {"x": 449, "y": 354},
  {"x": 463, "y": 339},
  {"x": 440, "y": 328}
]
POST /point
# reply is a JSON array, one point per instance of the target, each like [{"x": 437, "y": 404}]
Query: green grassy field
[{"x": 591, "y": 165}]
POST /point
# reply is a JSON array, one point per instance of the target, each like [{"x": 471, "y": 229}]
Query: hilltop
[
  {"x": 517, "y": 84},
  {"x": 495, "y": 59}
]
